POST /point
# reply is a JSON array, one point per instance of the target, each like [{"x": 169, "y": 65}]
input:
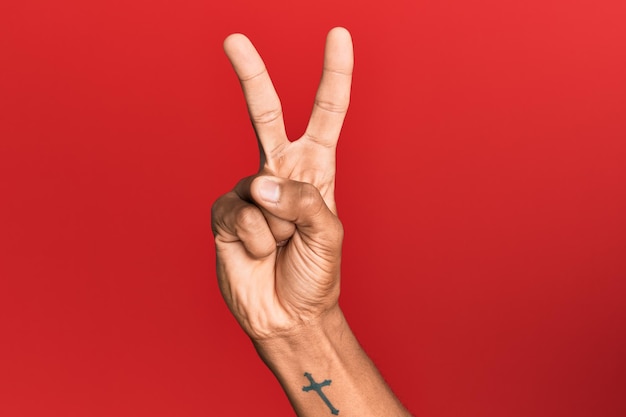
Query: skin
[{"x": 278, "y": 243}]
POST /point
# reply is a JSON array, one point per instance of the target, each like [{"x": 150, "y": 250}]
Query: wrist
[
  {"x": 312, "y": 342},
  {"x": 325, "y": 352}
]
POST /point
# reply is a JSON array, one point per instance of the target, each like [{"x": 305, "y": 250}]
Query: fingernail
[{"x": 269, "y": 191}]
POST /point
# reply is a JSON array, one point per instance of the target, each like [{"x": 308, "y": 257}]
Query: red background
[{"x": 481, "y": 182}]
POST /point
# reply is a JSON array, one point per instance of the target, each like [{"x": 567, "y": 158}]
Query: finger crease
[
  {"x": 266, "y": 117},
  {"x": 331, "y": 107},
  {"x": 319, "y": 141},
  {"x": 251, "y": 77},
  {"x": 336, "y": 71}
]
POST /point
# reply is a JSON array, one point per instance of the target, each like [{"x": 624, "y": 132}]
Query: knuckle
[
  {"x": 216, "y": 206},
  {"x": 266, "y": 248},
  {"x": 327, "y": 142},
  {"x": 217, "y": 212},
  {"x": 339, "y": 230},
  {"x": 253, "y": 76},
  {"x": 338, "y": 71},
  {"x": 333, "y": 234},
  {"x": 331, "y": 106},
  {"x": 248, "y": 218},
  {"x": 310, "y": 198},
  {"x": 267, "y": 117}
]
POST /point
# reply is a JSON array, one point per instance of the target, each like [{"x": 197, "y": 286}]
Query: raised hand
[
  {"x": 278, "y": 243},
  {"x": 278, "y": 238}
]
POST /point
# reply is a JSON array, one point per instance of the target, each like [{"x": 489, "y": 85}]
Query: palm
[
  {"x": 301, "y": 272},
  {"x": 306, "y": 161}
]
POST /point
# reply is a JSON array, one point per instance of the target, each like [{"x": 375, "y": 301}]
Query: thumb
[{"x": 298, "y": 202}]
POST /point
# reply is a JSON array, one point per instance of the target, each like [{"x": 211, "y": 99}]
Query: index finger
[
  {"x": 333, "y": 94},
  {"x": 263, "y": 102}
]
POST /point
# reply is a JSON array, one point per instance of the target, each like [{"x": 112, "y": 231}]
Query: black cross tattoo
[{"x": 317, "y": 387}]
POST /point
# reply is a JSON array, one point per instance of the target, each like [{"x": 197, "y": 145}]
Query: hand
[{"x": 277, "y": 235}]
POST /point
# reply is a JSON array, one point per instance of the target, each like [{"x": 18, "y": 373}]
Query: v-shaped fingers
[
  {"x": 263, "y": 102},
  {"x": 333, "y": 94}
]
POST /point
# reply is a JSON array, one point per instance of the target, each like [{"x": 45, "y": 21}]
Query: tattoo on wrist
[{"x": 317, "y": 387}]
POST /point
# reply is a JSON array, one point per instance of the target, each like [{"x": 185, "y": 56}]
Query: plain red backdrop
[{"x": 481, "y": 182}]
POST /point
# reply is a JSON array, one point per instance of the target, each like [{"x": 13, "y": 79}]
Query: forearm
[{"x": 328, "y": 351}]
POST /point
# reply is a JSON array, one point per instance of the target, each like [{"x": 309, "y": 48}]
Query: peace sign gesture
[
  {"x": 278, "y": 238},
  {"x": 311, "y": 158}
]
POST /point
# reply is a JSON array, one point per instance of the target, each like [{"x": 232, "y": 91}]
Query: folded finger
[{"x": 236, "y": 221}]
